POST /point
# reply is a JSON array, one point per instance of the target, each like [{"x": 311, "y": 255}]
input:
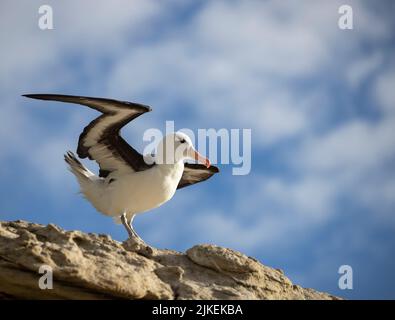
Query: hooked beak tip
[{"x": 202, "y": 159}]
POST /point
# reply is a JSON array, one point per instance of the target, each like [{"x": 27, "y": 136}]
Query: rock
[
  {"x": 90, "y": 266},
  {"x": 222, "y": 259}
]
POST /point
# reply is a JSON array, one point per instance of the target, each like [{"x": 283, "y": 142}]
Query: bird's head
[{"x": 176, "y": 147}]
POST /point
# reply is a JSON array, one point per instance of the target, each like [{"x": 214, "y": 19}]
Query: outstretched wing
[
  {"x": 101, "y": 140},
  {"x": 194, "y": 173}
]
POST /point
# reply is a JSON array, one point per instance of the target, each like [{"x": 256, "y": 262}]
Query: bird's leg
[
  {"x": 129, "y": 228},
  {"x": 134, "y": 232},
  {"x": 135, "y": 242},
  {"x": 127, "y": 225}
]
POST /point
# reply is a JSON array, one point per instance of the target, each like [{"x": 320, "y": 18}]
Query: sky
[{"x": 319, "y": 100}]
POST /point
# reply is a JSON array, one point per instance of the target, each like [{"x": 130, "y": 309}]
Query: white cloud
[
  {"x": 384, "y": 91},
  {"x": 361, "y": 69},
  {"x": 354, "y": 146},
  {"x": 247, "y": 57},
  {"x": 48, "y": 159},
  {"x": 92, "y": 30}
]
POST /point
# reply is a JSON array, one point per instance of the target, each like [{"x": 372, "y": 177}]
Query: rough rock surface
[{"x": 90, "y": 266}]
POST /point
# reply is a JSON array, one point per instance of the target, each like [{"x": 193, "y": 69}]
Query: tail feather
[
  {"x": 76, "y": 167},
  {"x": 91, "y": 185}
]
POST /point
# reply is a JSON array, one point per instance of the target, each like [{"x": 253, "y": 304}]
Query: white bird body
[
  {"x": 127, "y": 185},
  {"x": 131, "y": 193}
]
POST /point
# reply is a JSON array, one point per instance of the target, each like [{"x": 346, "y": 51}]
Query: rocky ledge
[{"x": 91, "y": 266}]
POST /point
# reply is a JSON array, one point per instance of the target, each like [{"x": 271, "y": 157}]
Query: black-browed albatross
[{"x": 127, "y": 185}]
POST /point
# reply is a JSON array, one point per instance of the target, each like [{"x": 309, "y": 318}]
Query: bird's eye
[{"x": 182, "y": 140}]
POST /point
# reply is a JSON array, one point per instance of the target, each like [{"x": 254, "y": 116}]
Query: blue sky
[{"x": 320, "y": 102}]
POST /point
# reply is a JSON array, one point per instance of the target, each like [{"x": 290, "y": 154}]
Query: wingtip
[
  {"x": 32, "y": 96},
  {"x": 214, "y": 169},
  {"x": 147, "y": 108}
]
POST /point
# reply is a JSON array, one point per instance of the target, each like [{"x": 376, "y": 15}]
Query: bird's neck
[{"x": 174, "y": 169}]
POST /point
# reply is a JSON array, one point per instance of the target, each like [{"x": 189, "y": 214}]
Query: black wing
[
  {"x": 194, "y": 173},
  {"x": 101, "y": 140}
]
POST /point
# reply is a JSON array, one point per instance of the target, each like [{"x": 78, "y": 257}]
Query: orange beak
[{"x": 197, "y": 156}]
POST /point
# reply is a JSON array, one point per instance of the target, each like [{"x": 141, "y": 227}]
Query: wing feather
[
  {"x": 100, "y": 139},
  {"x": 195, "y": 173}
]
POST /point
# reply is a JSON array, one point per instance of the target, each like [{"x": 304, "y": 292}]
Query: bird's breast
[{"x": 145, "y": 190}]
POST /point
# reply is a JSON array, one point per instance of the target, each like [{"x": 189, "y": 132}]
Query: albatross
[{"x": 128, "y": 184}]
